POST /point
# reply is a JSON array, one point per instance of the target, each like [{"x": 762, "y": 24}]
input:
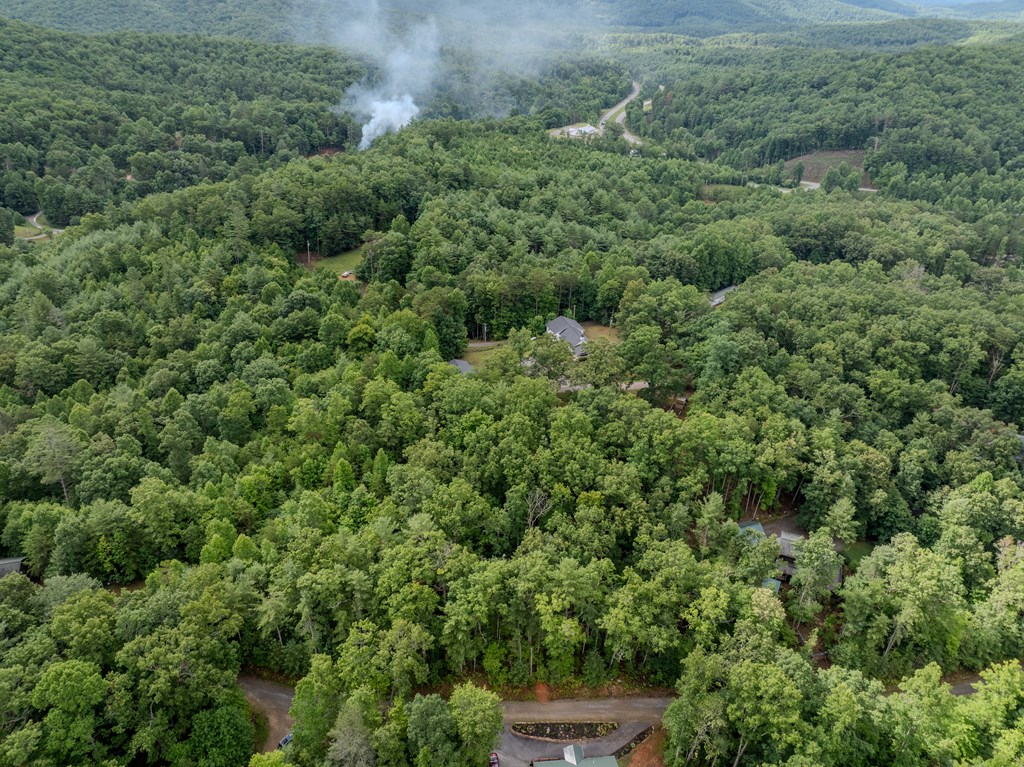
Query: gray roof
[
  {"x": 787, "y": 544},
  {"x": 462, "y": 365},
  {"x": 10, "y": 565},
  {"x": 570, "y": 331},
  {"x": 719, "y": 297}
]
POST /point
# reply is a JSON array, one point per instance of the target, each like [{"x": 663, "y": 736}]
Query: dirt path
[
  {"x": 646, "y": 710},
  {"x": 273, "y": 699}
]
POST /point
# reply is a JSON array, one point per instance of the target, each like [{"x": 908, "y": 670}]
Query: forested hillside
[
  {"x": 937, "y": 122},
  {"x": 177, "y": 391},
  {"x": 92, "y": 120},
  {"x": 221, "y": 453},
  {"x": 287, "y": 20},
  {"x": 267, "y": 20}
]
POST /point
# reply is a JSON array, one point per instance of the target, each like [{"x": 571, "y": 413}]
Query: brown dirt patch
[
  {"x": 308, "y": 260},
  {"x": 650, "y": 752}
]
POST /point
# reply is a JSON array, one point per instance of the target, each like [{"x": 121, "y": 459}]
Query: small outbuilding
[
  {"x": 10, "y": 565},
  {"x": 771, "y": 583},
  {"x": 463, "y": 366}
]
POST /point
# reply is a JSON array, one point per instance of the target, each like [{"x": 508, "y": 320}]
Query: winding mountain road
[
  {"x": 617, "y": 114},
  {"x": 44, "y": 234}
]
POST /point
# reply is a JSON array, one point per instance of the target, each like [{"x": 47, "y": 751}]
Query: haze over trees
[{"x": 216, "y": 456}]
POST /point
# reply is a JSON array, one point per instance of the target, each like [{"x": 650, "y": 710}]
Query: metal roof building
[{"x": 10, "y": 565}]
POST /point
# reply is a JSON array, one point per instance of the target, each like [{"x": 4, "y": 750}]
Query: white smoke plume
[
  {"x": 387, "y": 117},
  {"x": 402, "y": 41},
  {"x": 406, "y": 60}
]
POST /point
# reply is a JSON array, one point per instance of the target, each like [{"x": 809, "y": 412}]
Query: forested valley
[{"x": 232, "y": 440}]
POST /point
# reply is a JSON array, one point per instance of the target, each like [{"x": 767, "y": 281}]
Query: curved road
[
  {"x": 273, "y": 699},
  {"x": 634, "y": 715},
  {"x": 618, "y": 114},
  {"x": 34, "y": 223}
]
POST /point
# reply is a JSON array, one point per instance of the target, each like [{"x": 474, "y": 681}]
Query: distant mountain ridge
[{"x": 289, "y": 20}]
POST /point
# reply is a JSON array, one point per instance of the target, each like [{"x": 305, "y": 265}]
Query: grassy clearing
[
  {"x": 594, "y": 330},
  {"x": 477, "y": 357},
  {"x": 854, "y": 553},
  {"x": 346, "y": 262},
  {"x": 26, "y": 232}
]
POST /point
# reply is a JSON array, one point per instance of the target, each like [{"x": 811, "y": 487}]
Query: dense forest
[
  {"x": 118, "y": 117},
  {"x": 217, "y": 456}
]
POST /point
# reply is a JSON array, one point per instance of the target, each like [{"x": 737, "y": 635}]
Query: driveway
[
  {"x": 634, "y": 715},
  {"x": 273, "y": 699},
  {"x": 964, "y": 684}
]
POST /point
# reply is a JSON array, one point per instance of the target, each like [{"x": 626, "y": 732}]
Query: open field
[
  {"x": 594, "y": 330},
  {"x": 817, "y": 164},
  {"x": 477, "y": 357},
  {"x": 346, "y": 262},
  {"x": 26, "y": 232}
]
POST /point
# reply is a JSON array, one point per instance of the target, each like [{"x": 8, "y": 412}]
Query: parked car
[
  {"x": 493, "y": 761},
  {"x": 284, "y": 741}
]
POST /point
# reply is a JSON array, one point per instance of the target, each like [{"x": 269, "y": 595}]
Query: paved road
[
  {"x": 516, "y": 751},
  {"x": 34, "y": 223},
  {"x": 618, "y": 114},
  {"x": 273, "y": 699},
  {"x": 634, "y": 715},
  {"x": 965, "y": 683}
]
